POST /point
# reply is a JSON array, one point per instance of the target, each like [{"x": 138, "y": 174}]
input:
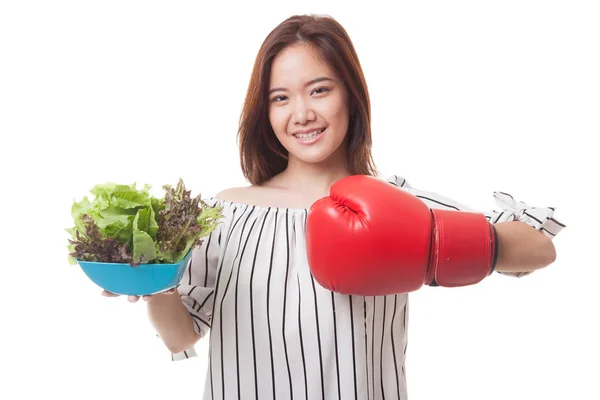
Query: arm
[
  {"x": 183, "y": 318},
  {"x": 522, "y": 248},
  {"x": 172, "y": 322}
]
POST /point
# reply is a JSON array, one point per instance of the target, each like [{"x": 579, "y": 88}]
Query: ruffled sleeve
[{"x": 541, "y": 218}]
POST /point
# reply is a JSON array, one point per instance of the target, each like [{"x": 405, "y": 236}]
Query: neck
[{"x": 315, "y": 177}]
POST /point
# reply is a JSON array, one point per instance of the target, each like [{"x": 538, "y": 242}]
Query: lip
[
  {"x": 309, "y": 130},
  {"x": 311, "y": 141}
]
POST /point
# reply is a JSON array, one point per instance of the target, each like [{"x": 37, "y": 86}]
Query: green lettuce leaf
[
  {"x": 122, "y": 196},
  {"x": 125, "y": 224},
  {"x": 144, "y": 233}
]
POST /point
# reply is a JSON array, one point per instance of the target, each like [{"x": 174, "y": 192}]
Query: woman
[{"x": 275, "y": 333}]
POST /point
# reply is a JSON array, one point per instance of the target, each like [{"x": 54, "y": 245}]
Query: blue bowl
[{"x": 145, "y": 279}]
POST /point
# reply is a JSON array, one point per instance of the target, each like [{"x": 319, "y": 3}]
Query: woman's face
[{"x": 308, "y": 105}]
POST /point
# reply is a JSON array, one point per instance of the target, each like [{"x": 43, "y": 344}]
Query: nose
[{"x": 303, "y": 113}]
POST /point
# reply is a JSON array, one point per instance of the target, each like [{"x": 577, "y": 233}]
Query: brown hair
[{"x": 261, "y": 154}]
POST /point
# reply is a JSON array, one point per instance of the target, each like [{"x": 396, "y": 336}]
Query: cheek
[
  {"x": 339, "y": 117},
  {"x": 277, "y": 120},
  {"x": 336, "y": 110}
]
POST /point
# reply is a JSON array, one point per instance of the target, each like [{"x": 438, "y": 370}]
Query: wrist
[
  {"x": 464, "y": 248},
  {"x": 164, "y": 300}
]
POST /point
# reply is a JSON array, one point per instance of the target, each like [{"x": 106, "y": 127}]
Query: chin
[{"x": 314, "y": 157}]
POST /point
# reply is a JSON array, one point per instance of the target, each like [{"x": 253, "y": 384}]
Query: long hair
[{"x": 261, "y": 154}]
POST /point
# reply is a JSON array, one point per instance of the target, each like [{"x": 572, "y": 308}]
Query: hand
[{"x": 133, "y": 299}]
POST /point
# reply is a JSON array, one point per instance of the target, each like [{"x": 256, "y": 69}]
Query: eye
[
  {"x": 278, "y": 99},
  {"x": 321, "y": 90}
]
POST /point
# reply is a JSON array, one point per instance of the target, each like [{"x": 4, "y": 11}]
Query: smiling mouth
[{"x": 309, "y": 135}]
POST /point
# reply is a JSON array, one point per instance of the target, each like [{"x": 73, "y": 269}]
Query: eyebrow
[{"x": 320, "y": 79}]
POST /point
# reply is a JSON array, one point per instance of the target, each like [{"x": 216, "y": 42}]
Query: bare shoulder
[
  {"x": 261, "y": 195},
  {"x": 253, "y": 195},
  {"x": 239, "y": 194}
]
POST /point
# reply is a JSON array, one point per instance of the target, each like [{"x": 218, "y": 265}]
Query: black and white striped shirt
[{"x": 276, "y": 334}]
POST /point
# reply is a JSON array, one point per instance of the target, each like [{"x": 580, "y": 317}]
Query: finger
[
  {"x": 106, "y": 293},
  {"x": 133, "y": 299},
  {"x": 167, "y": 292}
]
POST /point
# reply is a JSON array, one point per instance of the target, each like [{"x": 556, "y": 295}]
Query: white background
[{"x": 468, "y": 97}]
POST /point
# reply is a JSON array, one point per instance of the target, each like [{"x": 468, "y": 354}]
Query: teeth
[{"x": 309, "y": 135}]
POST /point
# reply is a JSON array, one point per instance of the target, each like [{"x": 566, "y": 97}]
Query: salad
[{"x": 123, "y": 224}]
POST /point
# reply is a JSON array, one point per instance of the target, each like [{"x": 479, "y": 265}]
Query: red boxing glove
[{"x": 371, "y": 238}]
